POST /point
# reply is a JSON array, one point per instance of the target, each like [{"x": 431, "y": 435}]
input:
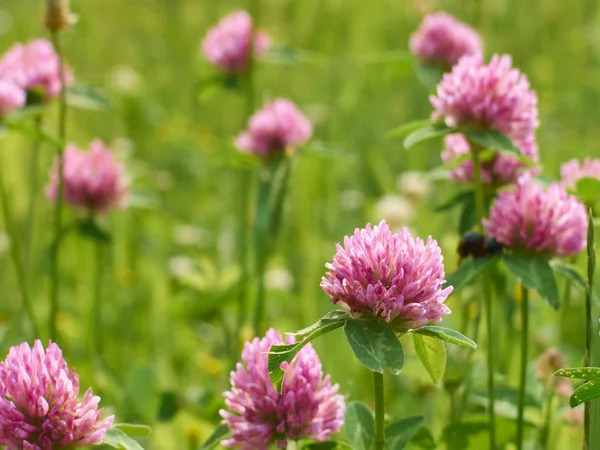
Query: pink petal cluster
[
  {"x": 228, "y": 44},
  {"x": 443, "y": 39},
  {"x": 12, "y": 97},
  {"x": 274, "y": 128},
  {"x": 308, "y": 407},
  {"x": 92, "y": 179},
  {"x": 500, "y": 170},
  {"x": 574, "y": 170},
  {"x": 532, "y": 218},
  {"x": 39, "y": 405},
  {"x": 392, "y": 276},
  {"x": 493, "y": 96},
  {"x": 35, "y": 66}
]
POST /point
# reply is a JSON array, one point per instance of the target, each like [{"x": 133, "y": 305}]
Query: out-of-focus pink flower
[
  {"x": 393, "y": 276},
  {"x": 12, "y": 97},
  {"x": 574, "y": 416},
  {"x": 92, "y": 179},
  {"x": 443, "y": 39},
  {"x": 228, "y": 44},
  {"x": 34, "y": 67},
  {"x": 574, "y": 170},
  {"x": 277, "y": 126},
  {"x": 39, "y": 405},
  {"x": 547, "y": 364},
  {"x": 493, "y": 96},
  {"x": 308, "y": 407},
  {"x": 537, "y": 219},
  {"x": 500, "y": 170}
]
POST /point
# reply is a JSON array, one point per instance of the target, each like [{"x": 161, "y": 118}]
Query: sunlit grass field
[{"x": 170, "y": 279}]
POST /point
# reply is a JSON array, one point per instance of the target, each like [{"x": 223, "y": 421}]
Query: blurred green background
[{"x": 170, "y": 277}]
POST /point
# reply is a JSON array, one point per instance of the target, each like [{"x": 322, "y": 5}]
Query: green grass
[{"x": 165, "y": 341}]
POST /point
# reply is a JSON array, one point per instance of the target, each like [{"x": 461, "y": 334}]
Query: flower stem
[
  {"x": 54, "y": 249},
  {"x": 545, "y": 432},
  {"x": 244, "y": 188},
  {"x": 523, "y": 374},
  {"x": 34, "y": 163},
  {"x": 591, "y": 267},
  {"x": 485, "y": 288},
  {"x": 97, "y": 306},
  {"x": 17, "y": 258},
  {"x": 379, "y": 411}
]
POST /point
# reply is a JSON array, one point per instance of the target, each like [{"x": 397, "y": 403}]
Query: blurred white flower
[
  {"x": 395, "y": 209},
  {"x": 279, "y": 279},
  {"x": 190, "y": 235},
  {"x": 351, "y": 199},
  {"x": 414, "y": 185},
  {"x": 181, "y": 265},
  {"x": 125, "y": 79}
]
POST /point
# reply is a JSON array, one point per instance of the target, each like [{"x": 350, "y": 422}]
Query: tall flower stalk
[
  {"x": 273, "y": 134},
  {"x": 34, "y": 163},
  {"x": 486, "y": 302},
  {"x": 523, "y": 368},
  {"x": 591, "y": 267},
  {"x": 379, "y": 441},
  {"x": 55, "y": 247}
]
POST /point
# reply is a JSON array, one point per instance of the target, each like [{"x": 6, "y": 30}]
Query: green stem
[
  {"x": 591, "y": 267},
  {"x": 244, "y": 189},
  {"x": 34, "y": 163},
  {"x": 523, "y": 374},
  {"x": 292, "y": 445},
  {"x": 485, "y": 289},
  {"x": 379, "y": 443},
  {"x": 97, "y": 308},
  {"x": 545, "y": 433},
  {"x": 17, "y": 258},
  {"x": 261, "y": 244},
  {"x": 54, "y": 249}
]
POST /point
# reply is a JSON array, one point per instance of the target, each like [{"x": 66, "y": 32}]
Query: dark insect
[{"x": 478, "y": 246}]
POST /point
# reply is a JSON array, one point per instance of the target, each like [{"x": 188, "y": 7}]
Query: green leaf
[
  {"x": 427, "y": 73},
  {"x": 375, "y": 346},
  {"x": 432, "y": 353},
  {"x": 457, "y": 199},
  {"x": 399, "y": 433},
  {"x": 588, "y": 190},
  {"x": 426, "y": 133},
  {"x": 330, "y": 445},
  {"x": 286, "y": 353},
  {"x": 468, "y": 270},
  {"x": 446, "y": 334},
  {"x": 580, "y": 373},
  {"x": 89, "y": 229},
  {"x": 359, "y": 426},
  {"x": 570, "y": 272},
  {"x": 493, "y": 140},
  {"x": 589, "y": 390},
  {"x": 86, "y": 97},
  {"x": 423, "y": 438},
  {"x": 218, "y": 435},
  {"x": 131, "y": 429},
  {"x": 118, "y": 439},
  {"x": 34, "y": 132},
  {"x": 409, "y": 127},
  {"x": 534, "y": 272},
  {"x": 468, "y": 216}
]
